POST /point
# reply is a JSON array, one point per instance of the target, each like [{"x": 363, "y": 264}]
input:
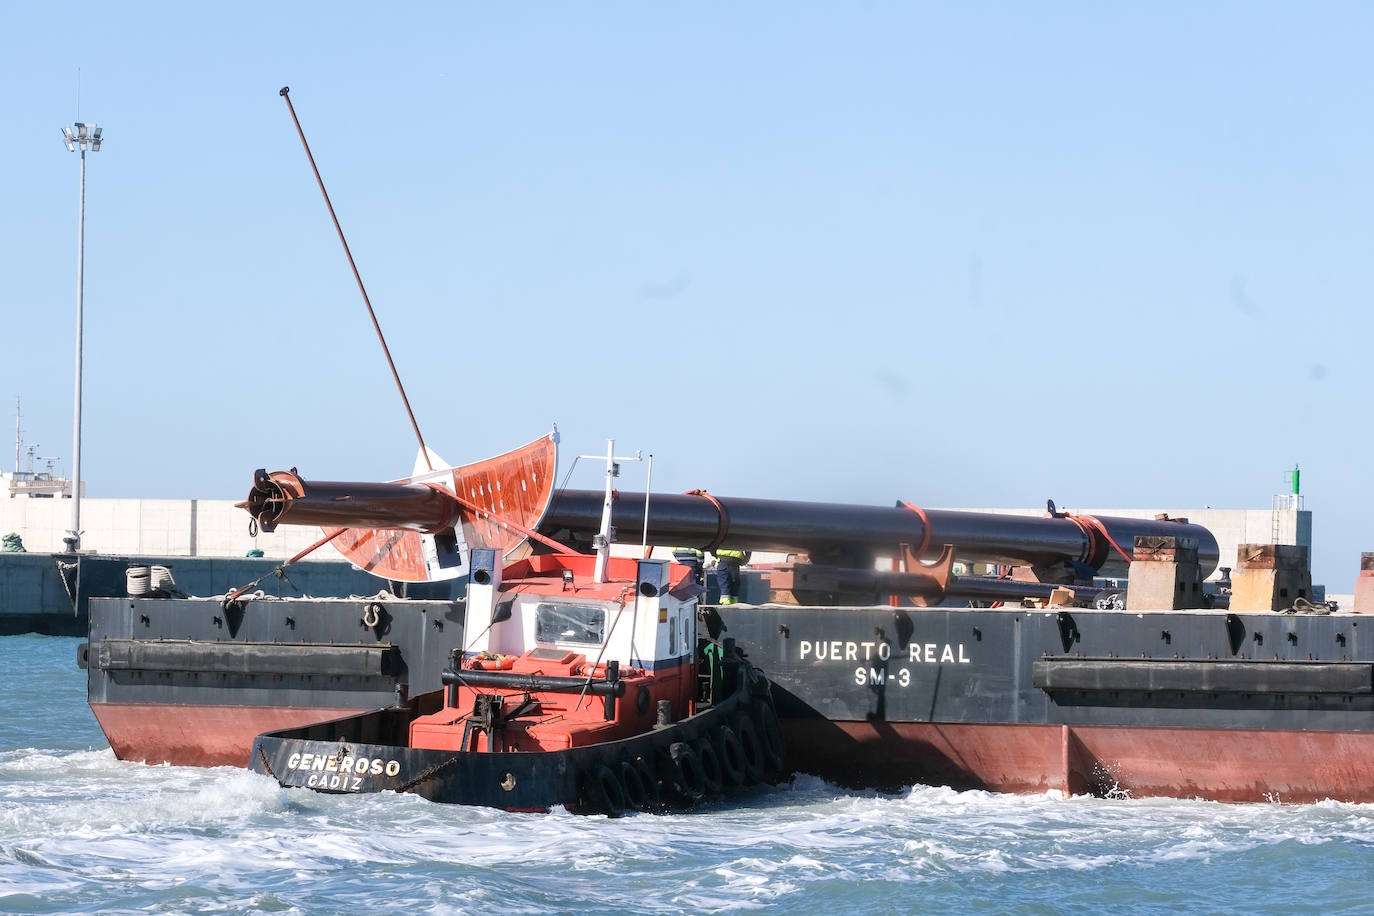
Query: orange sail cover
[{"x": 515, "y": 487}]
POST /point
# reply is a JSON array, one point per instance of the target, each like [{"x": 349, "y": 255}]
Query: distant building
[{"x": 36, "y": 485}]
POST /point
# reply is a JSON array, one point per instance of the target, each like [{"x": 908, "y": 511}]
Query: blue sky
[{"x": 976, "y": 254}]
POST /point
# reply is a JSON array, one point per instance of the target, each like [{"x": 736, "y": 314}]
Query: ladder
[{"x": 1284, "y": 502}]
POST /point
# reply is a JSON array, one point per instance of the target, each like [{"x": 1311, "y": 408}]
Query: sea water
[{"x": 81, "y": 832}]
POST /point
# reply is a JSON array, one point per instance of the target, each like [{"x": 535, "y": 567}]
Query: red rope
[
  {"x": 500, "y": 520},
  {"x": 895, "y": 600},
  {"x": 1088, "y": 525},
  {"x": 925, "y": 528},
  {"x": 722, "y": 518},
  {"x": 315, "y": 546},
  {"x": 1005, "y": 574},
  {"x": 309, "y": 550}
]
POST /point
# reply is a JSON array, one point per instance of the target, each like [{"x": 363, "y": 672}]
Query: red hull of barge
[
  {"x": 1228, "y": 765},
  {"x": 198, "y": 736}
]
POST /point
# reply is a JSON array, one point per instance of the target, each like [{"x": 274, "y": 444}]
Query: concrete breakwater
[
  {"x": 204, "y": 541},
  {"x": 153, "y": 528}
]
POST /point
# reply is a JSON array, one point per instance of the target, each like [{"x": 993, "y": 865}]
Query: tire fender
[
  {"x": 632, "y": 780},
  {"x": 688, "y": 779},
  {"x": 648, "y": 775},
  {"x": 731, "y": 756},
  {"x": 604, "y": 791},
  {"x": 712, "y": 777},
  {"x": 770, "y": 735},
  {"x": 753, "y": 749}
]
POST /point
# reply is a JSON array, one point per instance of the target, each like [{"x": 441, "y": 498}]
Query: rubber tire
[
  {"x": 731, "y": 756},
  {"x": 688, "y": 780},
  {"x": 759, "y": 685},
  {"x": 710, "y": 765},
  {"x": 605, "y": 793},
  {"x": 770, "y": 734},
  {"x": 648, "y": 775},
  {"x": 753, "y": 749},
  {"x": 632, "y": 779}
]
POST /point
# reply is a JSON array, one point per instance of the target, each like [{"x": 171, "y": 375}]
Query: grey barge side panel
[
  {"x": 268, "y": 653},
  {"x": 190, "y": 682},
  {"x": 1303, "y": 672},
  {"x": 1230, "y": 707}
]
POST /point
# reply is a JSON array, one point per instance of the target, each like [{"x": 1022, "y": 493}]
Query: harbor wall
[
  {"x": 153, "y": 527},
  {"x": 33, "y": 596},
  {"x": 49, "y": 593}
]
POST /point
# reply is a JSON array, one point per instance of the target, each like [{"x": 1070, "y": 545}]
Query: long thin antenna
[
  {"x": 78, "y": 93},
  {"x": 285, "y": 90}
]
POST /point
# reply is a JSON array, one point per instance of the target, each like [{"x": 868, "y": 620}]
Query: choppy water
[{"x": 83, "y": 832}]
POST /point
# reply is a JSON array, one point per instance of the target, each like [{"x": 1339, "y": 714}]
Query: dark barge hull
[
  {"x": 1231, "y": 765},
  {"x": 187, "y": 682},
  {"x": 1230, "y": 707},
  {"x": 1225, "y": 706}
]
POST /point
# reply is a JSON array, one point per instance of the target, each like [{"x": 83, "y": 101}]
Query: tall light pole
[{"x": 79, "y": 136}]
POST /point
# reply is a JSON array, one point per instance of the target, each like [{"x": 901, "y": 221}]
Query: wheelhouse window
[{"x": 577, "y": 623}]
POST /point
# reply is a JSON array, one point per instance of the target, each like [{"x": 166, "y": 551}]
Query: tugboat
[{"x": 585, "y": 683}]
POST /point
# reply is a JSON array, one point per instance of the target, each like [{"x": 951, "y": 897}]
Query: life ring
[
  {"x": 636, "y": 795},
  {"x": 711, "y": 774},
  {"x": 688, "y": 779},
  {"x": 753, "y": 749},
  {"x": 605, "y": 792},
  {"x": 648, "y": 775},
  {"x": 770, "y": 734},
  {"x": 731, "y": 756}
]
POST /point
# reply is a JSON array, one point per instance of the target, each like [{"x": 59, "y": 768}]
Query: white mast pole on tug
[{"x": 606, "y": 536}]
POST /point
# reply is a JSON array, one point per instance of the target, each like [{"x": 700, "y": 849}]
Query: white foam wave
[{"x": 75, "y": 825}]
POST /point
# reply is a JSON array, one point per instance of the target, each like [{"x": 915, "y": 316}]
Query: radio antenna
[{"x": 285, "y": 93}]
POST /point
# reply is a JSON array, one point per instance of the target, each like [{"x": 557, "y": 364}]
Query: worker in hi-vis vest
[
  {"x": 693, "y": 559},
  {"x": 728, "y": 563}
]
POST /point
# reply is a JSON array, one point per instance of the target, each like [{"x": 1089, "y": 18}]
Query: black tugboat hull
[{"x": 367, "y": 753}]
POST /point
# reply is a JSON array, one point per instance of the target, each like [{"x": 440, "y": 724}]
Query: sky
[{"x": 971, "y": 254}]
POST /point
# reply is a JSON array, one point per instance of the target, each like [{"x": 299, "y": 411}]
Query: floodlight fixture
[{"x": 83, "y": 136}]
